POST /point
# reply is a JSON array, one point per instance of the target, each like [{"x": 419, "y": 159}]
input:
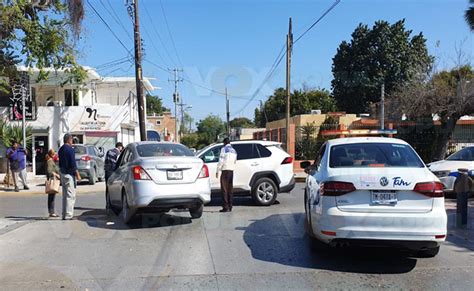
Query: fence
[{"x": 421, "y": 135}]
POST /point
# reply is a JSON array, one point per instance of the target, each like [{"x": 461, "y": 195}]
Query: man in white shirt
[{"x": 226, "y": 165}]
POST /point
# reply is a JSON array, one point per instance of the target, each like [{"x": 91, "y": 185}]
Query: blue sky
[{"x": 233, "y": 43}]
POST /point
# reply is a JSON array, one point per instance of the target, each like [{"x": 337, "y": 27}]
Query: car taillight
[
  {"x": 204, "y": 172},
  {"x": 287, "y": 160},
  {"x": 86, "y": 158},
  {"x": 140, "y": 174},
  {"x": 430, "y": 189},
  {"x": 336, "y": 188}
]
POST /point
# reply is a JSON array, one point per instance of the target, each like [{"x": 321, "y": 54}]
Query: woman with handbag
[{"x": 52, "y": 183}]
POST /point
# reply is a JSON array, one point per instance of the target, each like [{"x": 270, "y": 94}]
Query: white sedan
[
  {"x": 374, "y": 191},
  {"x": 447, "y": 170}
]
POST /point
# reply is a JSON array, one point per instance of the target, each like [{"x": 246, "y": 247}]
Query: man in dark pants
[
  {"x": 462, "y": 188},
  {"x": 69, "y": 176},
  {"x": 111, "y": 159},
  {"x": 226, "y": 165}
]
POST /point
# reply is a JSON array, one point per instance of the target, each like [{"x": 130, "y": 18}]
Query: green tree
[
  {"x": 210, "y": 129},
  {"x": 469, "y": 15},
  {"x": 384, "y": 54},
  {"x": 191, "y": 140},
  {"x": 448, "y": 94},
  {"x": 243, "y": 122},
  {"x": 39, "y": 35},
  {"x": 302, "y": 102},
  {"x": 154, "y": 105}
]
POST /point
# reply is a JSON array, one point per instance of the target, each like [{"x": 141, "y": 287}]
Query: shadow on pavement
[
  {"x": 281, "y": 239},
  {"x": 100, "y": 219},
  {"x": 237, "y": 201},
  {"x": 26, "y": 218}
]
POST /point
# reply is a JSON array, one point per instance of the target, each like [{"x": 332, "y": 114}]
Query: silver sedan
[{"x": 157, "y": 177}]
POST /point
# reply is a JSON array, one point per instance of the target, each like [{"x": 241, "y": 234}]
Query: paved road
[{"x": 250, "y": 248}]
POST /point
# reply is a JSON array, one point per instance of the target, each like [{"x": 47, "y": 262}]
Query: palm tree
[{"x": 469, "y": 15}]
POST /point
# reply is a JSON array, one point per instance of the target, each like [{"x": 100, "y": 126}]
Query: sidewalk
[
  {"x": 466, "y": 234},
  {"x": 36, "y": 185}
]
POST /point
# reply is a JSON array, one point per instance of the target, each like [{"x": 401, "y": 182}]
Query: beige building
[{"x": 164, "y": 124}]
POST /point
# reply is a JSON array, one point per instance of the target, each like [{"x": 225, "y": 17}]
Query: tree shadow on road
[
  {"x": 281, "y": 239},
  {"x": 99, "y": 218}
]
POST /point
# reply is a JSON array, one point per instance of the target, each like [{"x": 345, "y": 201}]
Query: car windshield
[
  {"x": 80, "y": 150},
  {"x": 373, "y": 155},
  {"x": 163, "y": 150},
  {"x": 466, "y": 154}
]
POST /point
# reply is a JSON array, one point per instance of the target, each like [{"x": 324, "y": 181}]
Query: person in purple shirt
[
  {"x": 69, "y": 176},
  {"x": 17, "y": 159}
]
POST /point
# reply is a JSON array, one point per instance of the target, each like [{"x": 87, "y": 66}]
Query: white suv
[{"x": 263, "y": 169}]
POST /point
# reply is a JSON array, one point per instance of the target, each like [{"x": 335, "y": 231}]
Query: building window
[
  {"x": 71, "y": 97},
  {"x": 158, "y": 122}
]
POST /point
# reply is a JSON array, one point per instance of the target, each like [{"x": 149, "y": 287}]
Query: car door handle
[{"x": 254, "y": 164}]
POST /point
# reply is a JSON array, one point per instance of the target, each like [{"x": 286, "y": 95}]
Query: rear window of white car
[
  {"x": 373, "y": 155},
  {"x": 163, "y": 150}
]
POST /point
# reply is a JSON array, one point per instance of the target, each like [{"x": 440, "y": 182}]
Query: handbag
[{"x": 52, "y": 186}]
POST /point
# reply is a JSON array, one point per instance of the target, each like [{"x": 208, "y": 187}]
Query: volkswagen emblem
[{"x": 384, "y": 181}]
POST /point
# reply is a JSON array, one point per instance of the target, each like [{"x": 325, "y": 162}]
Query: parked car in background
[
  {"x": 263, "y": 169},
  {"x": 90, "y": 163},
  {"x": 374, "y": 191},
  {"x": 157, "y": 177},
  {"x": 447, "y": 170}
]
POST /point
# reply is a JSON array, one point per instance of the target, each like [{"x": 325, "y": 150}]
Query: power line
[
  {"x": 109, "y": 28},
  {"x": 115, "y": 17},
  {"x": 193, "y": 83},
  {"x": 282, "y": 54},
  {"x": 158, "y": 34},
  {"x": 318, "y": 20},
  {"x": 170, "y": 34}
]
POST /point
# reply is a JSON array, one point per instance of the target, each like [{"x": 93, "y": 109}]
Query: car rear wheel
[
  {"x": 196, "y": 212},
  {"x": 93, "y": 177},
  {"x": 428, "y": 253},
  {"x": 264, "y": 192},
  {"x": 126, "y": 213}
]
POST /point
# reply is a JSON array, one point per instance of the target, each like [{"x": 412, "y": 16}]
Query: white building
[{"x": 102, "y": 112}]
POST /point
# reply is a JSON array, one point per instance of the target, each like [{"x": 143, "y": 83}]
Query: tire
[
  {"x": 196, "y": 212},
  {"x": 109, "y": 208},
  {"x": 126, "y": 212},
  {"x": 264, "y": 192},
  {"x": 92, "y": 177},
  {"x": 428, "y": 253},
  {"x": 314, "y": 243}
]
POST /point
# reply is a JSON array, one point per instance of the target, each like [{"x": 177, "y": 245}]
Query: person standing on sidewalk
[
  {"x": 226, "y": 165},
  {"x": 52, "y": 172},
  {"x": 69, "y": 176},
  {"x": 111, "y": 159},
  {"x": 17, "y": 158},
  {"x": 462, "y": 188}
]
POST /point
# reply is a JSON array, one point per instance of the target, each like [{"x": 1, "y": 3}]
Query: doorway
[{"x": 40, "y": 148}]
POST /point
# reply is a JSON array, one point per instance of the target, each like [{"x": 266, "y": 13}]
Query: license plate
[
  {"x": 384, "y": 198},
  {"x": 174, "y": 175}
]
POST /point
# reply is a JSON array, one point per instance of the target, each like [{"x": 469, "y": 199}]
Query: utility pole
[
  {"x": 139, "y": 73},
  {"x": 227, "y": 109},
  {"x": 176, "y": 100},
  {"x": 382, "y": 107},
  {"x": 289, "y": 47}
]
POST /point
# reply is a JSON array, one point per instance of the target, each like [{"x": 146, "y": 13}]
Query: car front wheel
[{"x": 264, "y": 192}]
